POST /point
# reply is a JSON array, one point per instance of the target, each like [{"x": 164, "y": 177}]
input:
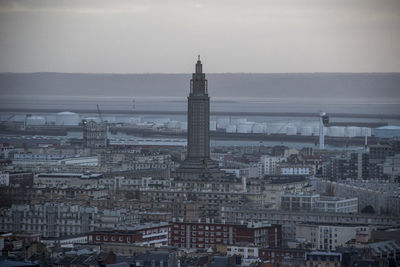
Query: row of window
[
  {"x": 205, "y": 240},
  {"x": 202, "y": 233},
  {"x": 113, "y": 238},
  {"x": 201, "y": 227}
]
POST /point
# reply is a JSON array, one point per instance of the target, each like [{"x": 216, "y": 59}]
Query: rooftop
[{"x": 70, "y": 175}]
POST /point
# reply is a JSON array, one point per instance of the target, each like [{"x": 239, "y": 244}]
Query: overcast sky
[{"x": 165, "y": 36}]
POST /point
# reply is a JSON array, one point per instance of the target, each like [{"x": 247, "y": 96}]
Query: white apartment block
[
  {"x": 295, "y": 170},
  {"x": 315, "y": 202},
  {"x": 269, "y": 164},
  {"x": 274, "y": 190},
  {"x": 325, "y": 236},
  {"x": 337, "y": 204}
]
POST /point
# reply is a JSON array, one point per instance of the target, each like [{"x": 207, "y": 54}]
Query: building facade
[
  {"x": 205, "y": 235},
  {"x": 95, "y": 134}
]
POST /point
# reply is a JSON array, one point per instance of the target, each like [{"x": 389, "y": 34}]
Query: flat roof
[{"x": 70, "y": 175}]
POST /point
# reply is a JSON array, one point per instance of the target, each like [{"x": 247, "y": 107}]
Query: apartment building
[
  {"x": 322, "y": 236},
  {"x": 315, "y": 202},
  {"x": 145, "y": 235},
  {"x": 289, "y": 219},
  {"x": 204, "y": 235}
]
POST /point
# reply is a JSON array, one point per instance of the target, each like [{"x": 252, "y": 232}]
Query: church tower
[
  {"x": 198, "y": 162},
  {"x": 198, "y": 138}
]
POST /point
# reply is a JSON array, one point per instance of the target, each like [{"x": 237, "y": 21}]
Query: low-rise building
[
  {"x": 279, "y": 255},
  {"x": 320, "y": 258},
  {"x": 268, "y": 164},
  {"x": 322, "y": 236},
  {"x": 59, "y": 180},
  {"x": 147, "y": 234},
  {"x": 244, "y": 251},
  {"x": 205, "y": 235},
  {"x": 315, "y": 202},
  {"x": 289, "y": 219}
]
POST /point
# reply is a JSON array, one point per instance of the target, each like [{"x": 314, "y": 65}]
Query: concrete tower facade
[
  {"x": 198, "y": 162},
  {"x": 198, "y": 137}
]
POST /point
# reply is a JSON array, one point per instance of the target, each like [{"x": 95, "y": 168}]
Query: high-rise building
[
  {"x": 198, "y": 162},
  {"x": 95, "y": 134}
]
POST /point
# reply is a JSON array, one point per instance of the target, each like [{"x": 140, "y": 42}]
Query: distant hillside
[{"x": 313, "y": 85}]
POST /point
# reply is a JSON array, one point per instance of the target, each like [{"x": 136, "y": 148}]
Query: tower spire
[{"x": 198, "y": 162}]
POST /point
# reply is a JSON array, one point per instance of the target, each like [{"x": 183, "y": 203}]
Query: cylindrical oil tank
[
  {"x": 173, "y": 125},
  {"x": 223, "y": 123},
  {"x": 306, "y": 131},
  {"x": 276, "y": 127},
  {"x": 352, "y": 131},
  {"x": 365, "y": 131},
  {"x": 238, "y": 121},
  {"x": 336, "y": 131},
  {"x": 67, "y": 118},
  {"x": 259, "y": 128},
  {"x": 35, "y": 121},
  {"x": 231, "y": 128},
  {"x": 291, "y": 130},
  {"x": 244, "y": 127}
]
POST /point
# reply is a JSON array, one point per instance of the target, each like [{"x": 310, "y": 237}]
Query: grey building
[
  {"x": 198, "y": 162},
  {"x": 95, "y": 134}
]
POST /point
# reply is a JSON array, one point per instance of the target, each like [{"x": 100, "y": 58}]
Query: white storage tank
[
  {"x": 35, "y": 120},
  {"x": 291, "y": 130},
  {"x": 245, "y": 127},
  {"x": 389, "y": 131},
  {"x": 365, "y": 131},
  {"x": 259, "y": 128},
  {"x": 231, "y": 128},
  {"x": 336, "y": 131},
  {"x": 315, "y": 131},
  {"x": 276, "y": 127},
  {"x": 306, "y": 131},
  {"x": 67, "y": 118},
  {"x": 183, "y": 126},
  {"x": 213, "y": 125},
  {"x": 238, "y": 121},
  {"x": 173, "y": 125},
  {"x": 223, "y": 123},
  {"x": 352, "y": 131}
]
